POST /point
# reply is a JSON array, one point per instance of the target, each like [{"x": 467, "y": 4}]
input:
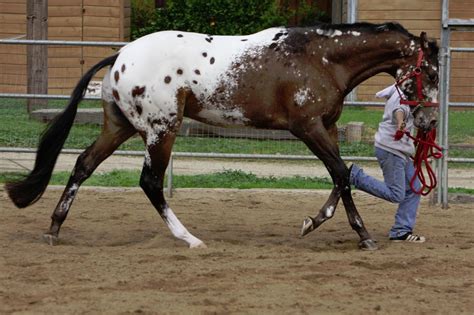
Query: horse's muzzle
[
  {"x": 427, "y": 126},
  {"x": 433, "y": 124}
]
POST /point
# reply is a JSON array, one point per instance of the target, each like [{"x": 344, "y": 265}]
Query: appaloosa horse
[{"x": 280, "y": 78}]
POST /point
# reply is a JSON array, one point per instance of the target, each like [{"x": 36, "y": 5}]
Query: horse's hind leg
[
  {"x": 151, "y": 181},
  {"x": 116, "y": 130}
]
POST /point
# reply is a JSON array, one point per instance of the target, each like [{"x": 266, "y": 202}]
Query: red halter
[
  {"x": 417, "y": 73},
  {"x": 424, "y": 141}
]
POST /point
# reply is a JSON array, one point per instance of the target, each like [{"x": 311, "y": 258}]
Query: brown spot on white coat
[
  {"x": 137, "y": 91},
  {"x": 116, "y": 94}
]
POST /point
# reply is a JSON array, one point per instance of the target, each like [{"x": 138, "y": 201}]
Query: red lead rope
[
  {"x": 424, "y": 141},
  {"x": 425, "y": 145}
]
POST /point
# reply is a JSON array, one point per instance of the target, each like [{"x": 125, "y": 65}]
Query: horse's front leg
[
  {"x": 355, "y": 220},
  {"x": 322, "y": 142}
]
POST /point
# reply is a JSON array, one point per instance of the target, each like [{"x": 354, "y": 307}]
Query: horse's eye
[{"x": 433, "y": 76}]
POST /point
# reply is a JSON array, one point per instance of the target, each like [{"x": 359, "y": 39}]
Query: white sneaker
[{"x": 408, "y": 237}]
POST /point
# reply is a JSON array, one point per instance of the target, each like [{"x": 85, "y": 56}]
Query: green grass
[
  {"x": 460, "y": 190},
  {"x": 371, "y": 117},
  {"x": 226, "y": 179},
  {"x": 242, "y": 180},
  {"x": 17, "y": 130},
  {"x": 461, "y": 127}
]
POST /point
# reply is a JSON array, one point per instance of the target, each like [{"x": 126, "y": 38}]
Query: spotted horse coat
[
  {"x": 280, "y": 78},
  {"x": 161, "y": 76}
]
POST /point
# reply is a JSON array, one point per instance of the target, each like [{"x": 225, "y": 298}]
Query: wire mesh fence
[
  {"x": 20, "y": 129},
  {"x": 65, "y": 68},
  {"x": 460, "y": 134}
]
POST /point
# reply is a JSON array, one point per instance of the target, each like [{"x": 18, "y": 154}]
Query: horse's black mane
[{"x": 364, "y": 26}]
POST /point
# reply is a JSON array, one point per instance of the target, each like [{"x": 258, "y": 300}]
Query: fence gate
[{"x": 448, "y": 26}]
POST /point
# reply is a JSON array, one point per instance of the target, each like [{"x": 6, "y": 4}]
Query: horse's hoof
[
  {"x": 368, "y": 244},
  {"x": 198, "y": 245},
  {"x": 51, "y": 239},
  {"x": 308, "y": 226}
]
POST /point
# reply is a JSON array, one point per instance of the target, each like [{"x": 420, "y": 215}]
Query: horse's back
[
  {"x": 170, "y": 50},
  {"x": 151, "y": 70}
]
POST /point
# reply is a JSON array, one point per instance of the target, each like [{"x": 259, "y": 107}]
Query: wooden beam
[
  {"x": 336, "y": 12},
  {"x": 37, "y": 55}
]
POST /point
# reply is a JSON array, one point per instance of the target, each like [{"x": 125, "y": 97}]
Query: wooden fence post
[
  {"x": 337, "y": 11},
  {"x": 37, "y": 55}
]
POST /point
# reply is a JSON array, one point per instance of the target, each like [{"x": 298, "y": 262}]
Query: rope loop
[{"x": 426, "y": 148}]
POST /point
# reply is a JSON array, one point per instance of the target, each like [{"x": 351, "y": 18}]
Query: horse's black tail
[{"x": 28, "y": 190}]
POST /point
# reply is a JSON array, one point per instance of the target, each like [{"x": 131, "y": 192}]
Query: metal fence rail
[
  {"x": 445, "y": 58},
  {"x": 60, "y": 43},
  {"x": 169, "y": 171},
  {"x": 121, "y": 44},
  {"x": 349, "y": 158}
]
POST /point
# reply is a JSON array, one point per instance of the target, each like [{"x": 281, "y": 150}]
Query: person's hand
[{"x": 400, "y": 132}]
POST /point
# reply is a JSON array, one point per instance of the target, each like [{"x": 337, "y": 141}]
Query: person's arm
[{"x": 400, "y": 119}]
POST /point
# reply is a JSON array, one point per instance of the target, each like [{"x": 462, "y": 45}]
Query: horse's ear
[
  {"x": 424, "y": 41},
  {"x": 433, "y": 47},
  {"x": 429, "y": 46}
]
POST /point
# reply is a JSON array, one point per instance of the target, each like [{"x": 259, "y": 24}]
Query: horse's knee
[{"x": 343, "y": 185}]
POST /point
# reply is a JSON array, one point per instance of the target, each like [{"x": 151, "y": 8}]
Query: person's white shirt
[{"x": 388, "y": 127}]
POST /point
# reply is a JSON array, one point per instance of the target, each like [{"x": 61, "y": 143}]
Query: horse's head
[{"x": 418, "y": 80}]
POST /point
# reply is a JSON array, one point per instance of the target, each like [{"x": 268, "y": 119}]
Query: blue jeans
[{"x": 397, "y": 173}]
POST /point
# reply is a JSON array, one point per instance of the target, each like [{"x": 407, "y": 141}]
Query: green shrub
[
  {"x": 309, "y": 14},
  {"x": 220, "y": 17},
  {"x": 142, "y": 13}
]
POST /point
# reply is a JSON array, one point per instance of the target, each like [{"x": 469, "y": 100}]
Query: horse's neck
[{"x": 371, "y": 56}]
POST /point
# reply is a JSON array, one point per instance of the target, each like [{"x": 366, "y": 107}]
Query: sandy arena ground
[{"x": 117, "y": 257}]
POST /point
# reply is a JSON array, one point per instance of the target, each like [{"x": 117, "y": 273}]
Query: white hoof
[
  {"x": 308, "y": 226},
  {"x": 52, "y": 240},
  {"x": 198, "y": 245}
]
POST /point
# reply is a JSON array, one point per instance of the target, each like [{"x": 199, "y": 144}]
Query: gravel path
[{"x": 459, "y": 177}]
